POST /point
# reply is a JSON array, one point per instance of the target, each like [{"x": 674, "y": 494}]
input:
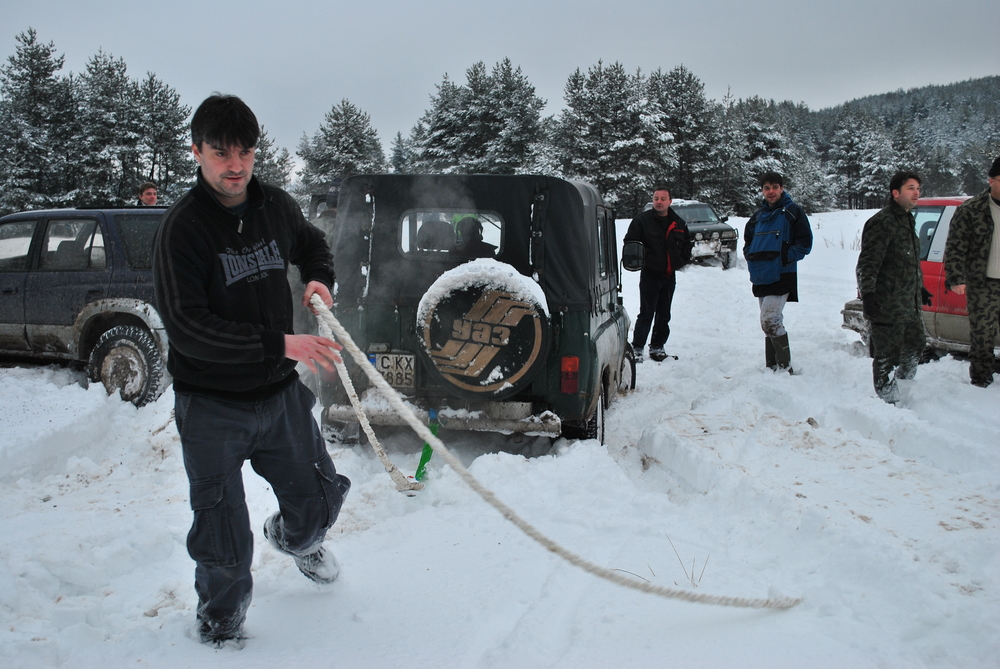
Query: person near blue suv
[{"x": 220, "y": 261}]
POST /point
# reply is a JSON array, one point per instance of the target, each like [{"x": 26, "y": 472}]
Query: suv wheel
[
  {"x": 126, "y": 359},
  {"x": 626, "y": 378},
  {"x": 728, "y": 260}
]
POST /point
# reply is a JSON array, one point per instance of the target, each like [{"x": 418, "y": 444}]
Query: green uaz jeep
[{"x": 493, "y": 300}]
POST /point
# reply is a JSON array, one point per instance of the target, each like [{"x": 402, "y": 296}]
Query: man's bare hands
[
  {"x": 959, "y": 289},
  {"x": 313, "y": 350},
  {"x": 321, "y": 290}
]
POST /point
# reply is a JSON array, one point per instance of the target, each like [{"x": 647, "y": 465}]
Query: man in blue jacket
[
  {"x": 776, "y": 237},
  {"x": 220, "y": 262}
]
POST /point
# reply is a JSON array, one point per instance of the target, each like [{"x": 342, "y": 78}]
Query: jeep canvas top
[{"x": 492, "y": 299}]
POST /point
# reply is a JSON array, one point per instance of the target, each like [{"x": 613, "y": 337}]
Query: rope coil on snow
[{"x": 424, "y": 432}]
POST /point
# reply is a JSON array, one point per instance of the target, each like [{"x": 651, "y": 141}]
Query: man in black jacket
[
  {"x": 664, "y": 237},
  {"x": 220, "y": 259}
]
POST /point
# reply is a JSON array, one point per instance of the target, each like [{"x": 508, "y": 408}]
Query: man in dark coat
[
  {"x": 776, "y": 237},
  {"x": 667, "y": 247},
  {"x": 220, "y": 261},
  {"x": 892, "y": 287}
]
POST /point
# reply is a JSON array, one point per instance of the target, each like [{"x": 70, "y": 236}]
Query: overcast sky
[{"x": 292, "y": 61}]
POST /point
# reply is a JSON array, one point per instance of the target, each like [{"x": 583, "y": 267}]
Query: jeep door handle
[
  {"x": 94, "y": 291},
  {"x": 10, "y": 291}
]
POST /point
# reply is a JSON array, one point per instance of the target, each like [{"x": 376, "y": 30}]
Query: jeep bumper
[{"x": 503, "y": 417}]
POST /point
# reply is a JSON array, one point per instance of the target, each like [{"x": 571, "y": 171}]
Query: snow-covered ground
[{"x": 718, "y": 476}]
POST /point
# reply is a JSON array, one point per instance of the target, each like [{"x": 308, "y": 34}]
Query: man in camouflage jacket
[
  {"x": 972, "y": 268},
  {"x": 892, "y": 287}
]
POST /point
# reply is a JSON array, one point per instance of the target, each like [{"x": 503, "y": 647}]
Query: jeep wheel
[
  {"x": 484, "y": 332},
  {"x": 593, "y": 428},
  {"x": 728, "y": 260},
  {"x": 126, "y": 359}
]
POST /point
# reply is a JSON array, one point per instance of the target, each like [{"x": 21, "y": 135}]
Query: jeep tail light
[{"x": 569, "y": 374}]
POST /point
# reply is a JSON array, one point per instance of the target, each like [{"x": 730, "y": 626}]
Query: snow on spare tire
[{"x": 484, "y": 330}]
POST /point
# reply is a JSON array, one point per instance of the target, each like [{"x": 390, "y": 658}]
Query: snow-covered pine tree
[
  {"x": 108, "y": 133},
  {"x": 490, "y": 125},
  {"x": 344, "y": 144},
  {"x": 37, "y": 112},
  {"x": 877, "y": 160},
  {"x": 514, "y": 113},
  {"x": 844, "y": 160},
  {"x": 399, "y": 154},
  {"x": 437, "y": 136},
  {"x": 806, "y": 179},
  {"x": 272, "y": 165},
  {"x": 164, "y": 140},
  {"x": 686, "y": 117},
  {"x": 604, "y": 138}
]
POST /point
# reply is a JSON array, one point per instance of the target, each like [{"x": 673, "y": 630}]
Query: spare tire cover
[{"x": 484, "y": 330}]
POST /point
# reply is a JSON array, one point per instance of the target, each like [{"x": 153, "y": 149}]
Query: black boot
[
  {"x": 769, "y": 354},
  {"x": 782, "y": 353}
]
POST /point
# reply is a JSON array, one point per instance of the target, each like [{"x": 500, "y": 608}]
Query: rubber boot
[
  {"x": 769, "y": 354},
  {"x": 782, "y": 353}
]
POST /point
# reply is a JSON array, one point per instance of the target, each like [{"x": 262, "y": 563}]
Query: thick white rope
[
  {"x": 424, "y": 432},
  {"x": 403, "y": 484}
]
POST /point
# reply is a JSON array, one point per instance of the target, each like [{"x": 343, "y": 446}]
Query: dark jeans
[
  {"x": 655, "y": 295},
  {"x": 284, "y": 445}
]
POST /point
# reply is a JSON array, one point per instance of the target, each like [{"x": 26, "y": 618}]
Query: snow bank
[{"x": 718, "y": 476}]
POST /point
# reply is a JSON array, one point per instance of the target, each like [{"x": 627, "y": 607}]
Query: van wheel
[{"x": 126, "y": 359}]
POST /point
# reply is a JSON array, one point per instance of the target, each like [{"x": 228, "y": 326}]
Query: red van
[{"x": 947, "y": 319}]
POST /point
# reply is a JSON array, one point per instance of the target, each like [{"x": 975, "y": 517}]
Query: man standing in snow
[
  {"x": 664, "y": 238},
  {"x": 776, "y": 237},
  {"x": 972, "y": 268},
  {"x": 892, "y": 287},
  {"x": 220, "y": 259}
]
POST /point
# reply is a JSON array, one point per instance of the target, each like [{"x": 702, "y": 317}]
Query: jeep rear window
[
  {"x": 137, "y": 231},
  {"x": 436, "y": 234}
]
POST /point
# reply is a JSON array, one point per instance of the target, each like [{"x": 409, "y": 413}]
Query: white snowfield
[{"x": 718, "y": 476}]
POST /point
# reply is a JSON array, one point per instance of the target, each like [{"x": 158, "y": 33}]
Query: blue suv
[{"x": 76, "y": 285}]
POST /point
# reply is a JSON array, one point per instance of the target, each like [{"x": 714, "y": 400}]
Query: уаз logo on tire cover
[{"x": 485, "y": 341}]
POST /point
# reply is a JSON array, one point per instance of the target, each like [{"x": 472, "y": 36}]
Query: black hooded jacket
[
  {"x": 222, "y": 290},
  {"x": 665, "y": 238}
]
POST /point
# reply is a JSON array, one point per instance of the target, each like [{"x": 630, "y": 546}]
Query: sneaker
[
  {"x": 320, "y": 565},
  {"x": 637, "y": 354},
  {"x": 657, "y": 354}
]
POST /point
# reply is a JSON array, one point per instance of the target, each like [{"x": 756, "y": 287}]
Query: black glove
[
  {"x": 869, "y": 304},
  {"x": 925, "y": 296}
]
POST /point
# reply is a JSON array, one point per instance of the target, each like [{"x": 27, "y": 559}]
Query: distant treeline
[{"x": 92, "y": 138}]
